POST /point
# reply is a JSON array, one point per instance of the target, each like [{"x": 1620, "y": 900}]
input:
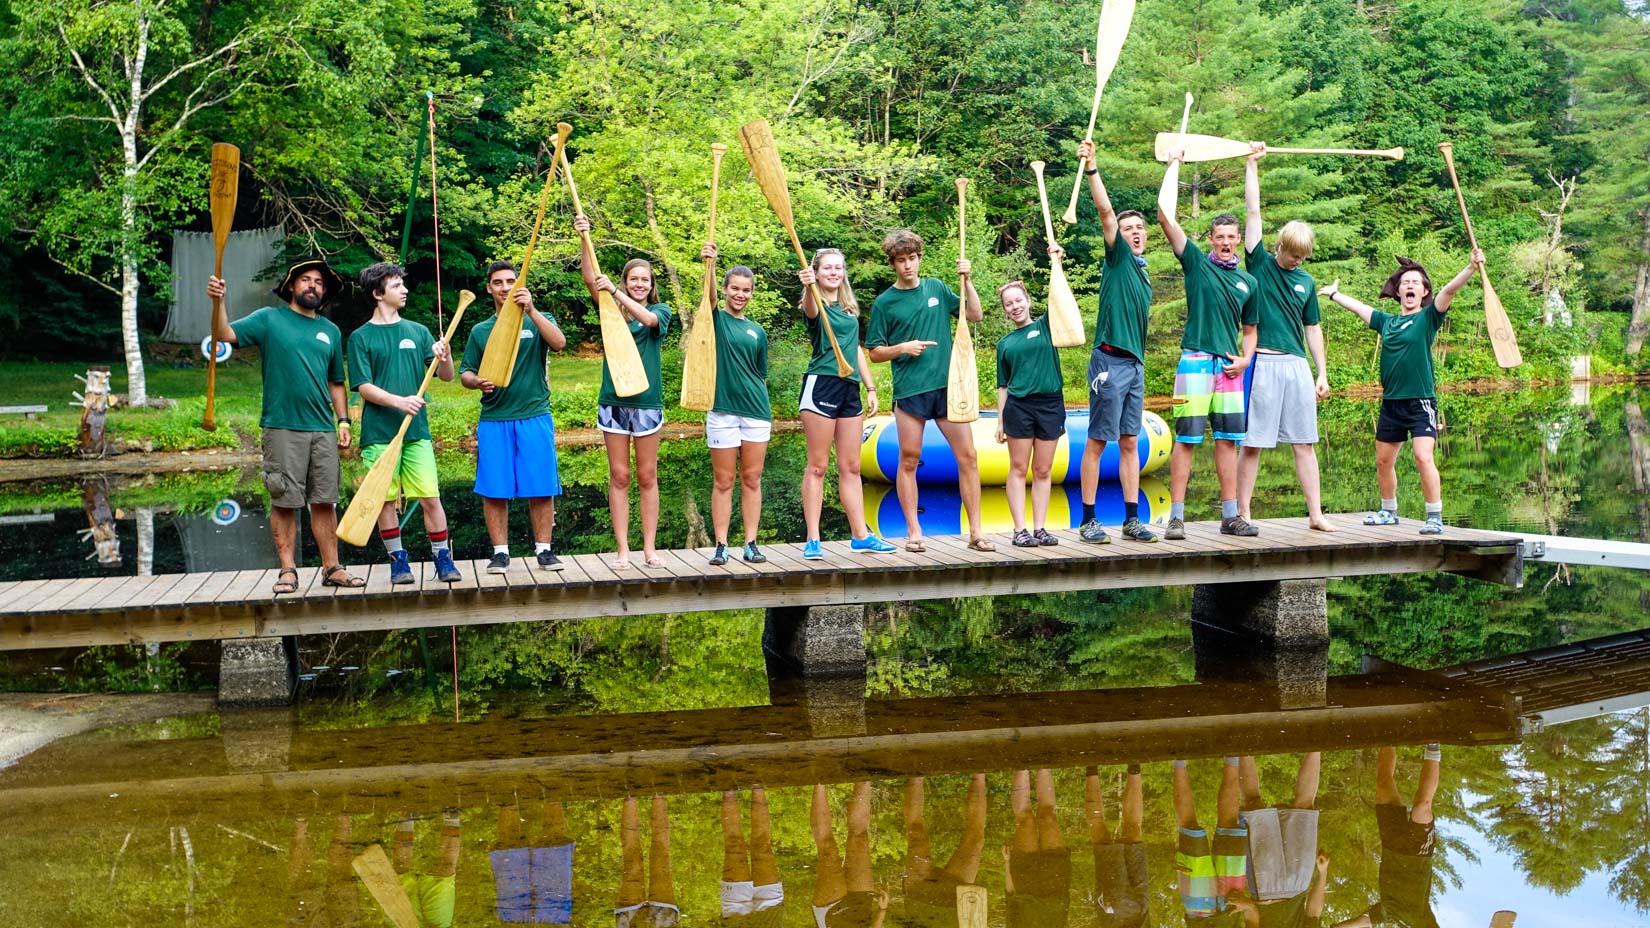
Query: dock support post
[
  {"x": 816, "y": 658},
  {"x": 255, "y": 672},
  {"x": 1277, "y": 629}
]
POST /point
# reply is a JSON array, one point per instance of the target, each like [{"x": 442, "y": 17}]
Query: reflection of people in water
[
  {"x": 336, "y": 905},
  {"x": 432, "y": 893},
  {"x": 844, "y": 896},
  {"x": 1038, "y": 864},
  {"x": 533, "y": 878},
  {"x": 1120, "y": 881},
  {"x": 1211, "y": 874},
  {"x": 1283, "y": 844},
  {"x": 751, "y": 891},
  {"x": 653, "y": 904},
  {"x": 1407, "y": 842},
  {"x": 931, "y": 894}
]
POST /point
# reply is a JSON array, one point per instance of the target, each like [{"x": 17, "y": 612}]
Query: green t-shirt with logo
[
  {"x": 741, "y": 368},
  {"x": 392, "y": 358},
  {"x": 1125, "y": 301},
  {"x": 528, "y": 394},
  {"x": 1027, "y": 361},
  {"x": 922, "y": 313},
  {"x": 1219, "y": 303},
  {"x": 301, "y": 355},
  {"x": 1406, "y": 351},
  {"x": 1288, "y": 303},
  {"x": 648, "y": 341},
  {"x": 846, "y": 328}
]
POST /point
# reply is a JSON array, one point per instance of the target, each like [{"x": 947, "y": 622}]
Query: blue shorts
[{"x": 517, "y": 458}]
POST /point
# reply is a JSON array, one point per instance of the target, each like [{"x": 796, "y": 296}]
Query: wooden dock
[{"x": 239, "y": 604}]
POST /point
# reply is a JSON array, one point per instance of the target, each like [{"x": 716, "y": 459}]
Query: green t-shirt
[
  {"x": 1288, "y": 303},
  {"x": 921, "y": 313},
  {"x": 648, "y": 340},
  {"x": 846, "y": 328},
  {"x": 1027, "y": 361},
  {"x": 1125, "y": 301},
  {"x": 301, "y": 356},
  {"x": 1406, "y": 889},
  {"x": 393, "y": 358},
  {"x": 1406, "y": 351},
  {"x": 741, "y": 367},
  {"x": 1219, "y": 303},
  {"x": 528, "y": 394}
]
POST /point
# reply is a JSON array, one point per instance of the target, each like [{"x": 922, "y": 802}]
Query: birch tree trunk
[{"x": 1639, "y": 327}]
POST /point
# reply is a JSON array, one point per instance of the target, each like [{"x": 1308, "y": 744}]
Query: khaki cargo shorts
[{"x": 300, "y": 468}]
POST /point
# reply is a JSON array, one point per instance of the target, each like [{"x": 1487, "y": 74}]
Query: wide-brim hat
[
  {"x": 1389, "y": 291},
  {"x": 334, "y": 280}
]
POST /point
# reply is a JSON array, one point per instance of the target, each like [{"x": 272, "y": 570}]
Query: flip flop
[
  {"x": 915, "y": 546},
  {"x": 349, "y": 582},
  {"x": 654, "y": 561},
  {"x": 981, "y": 544},
  {"x": 285, "y": 586}
]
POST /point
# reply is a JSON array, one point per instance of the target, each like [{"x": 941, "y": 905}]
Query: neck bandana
[{"x": 1228, "y": 265}]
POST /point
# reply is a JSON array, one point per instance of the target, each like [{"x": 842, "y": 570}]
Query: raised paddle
[
  {"x": 374, "y": 869},
  {"x": 226, "y": 181},
  {"x": 1215, "y": 148},
  {"x": 962, "y": 394},
  {"x": 498, "y": 361},
  {"x": 1502, "y": 337},
  {"x": 624, "y": 359},
  {"x": 362, "y": 515},
  {"x": 763, "y": 154},
  {"x": 699, "y": 358},
  {"x": 971, "y": 906},
  {"x": 1065, "y": 320},
  {"x": 1109, "y": 33}
]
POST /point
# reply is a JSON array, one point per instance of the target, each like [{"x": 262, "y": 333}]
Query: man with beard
[{"x": 304, "y": 420}]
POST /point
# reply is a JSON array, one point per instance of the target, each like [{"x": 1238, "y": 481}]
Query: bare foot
[
  {"x": 622, "y": 562},
  {"x": 1321, "y": 525}
]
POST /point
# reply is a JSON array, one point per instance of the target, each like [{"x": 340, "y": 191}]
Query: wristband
[
  {"x": 343, "y": 420},
  {"x": 1090, "y": 172}
]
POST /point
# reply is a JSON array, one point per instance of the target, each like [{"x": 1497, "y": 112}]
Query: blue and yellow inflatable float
[
  {"x": 940, "y": 510},
  {"x": 879, "y": 450}
]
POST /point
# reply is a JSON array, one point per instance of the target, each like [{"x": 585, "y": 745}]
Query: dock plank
[
  {"x": 153, "y": 592},
  {"x": 101, "y": 593}
]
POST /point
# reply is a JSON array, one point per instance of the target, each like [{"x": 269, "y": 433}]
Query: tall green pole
[{"x": 412, "y": 189}]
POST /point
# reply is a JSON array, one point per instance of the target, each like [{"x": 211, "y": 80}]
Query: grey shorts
[
  {"x": 1283, "y": 851},
  {"x": 300, "y": 468},
  {"x": 1122, "y": 890},
  {"x": 1283, "y": 404},
  {"x": 1117, "y": 395}
]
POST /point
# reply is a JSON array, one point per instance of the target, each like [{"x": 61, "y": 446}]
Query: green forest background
[{"x": 877, "y": 105}]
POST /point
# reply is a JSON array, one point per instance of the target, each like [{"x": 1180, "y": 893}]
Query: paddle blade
[
  {"x": 361, "y": 517},
  {"x": 226, "y": 177},
  {"x": 624, "y": 360},
  {"x": 373, "y": 867},
  {"x": 699, "y": 360},
  {"x": 1200, "y": 147},
  {"x": 971, "y": 906},
  {"x": 1116, "y": 16},
  {"x": 962, "y": 392},
  {"x": 1065, "y": 318},
  {"x": 498, "y": 361},
  {"x": 1502, "y": 337},
  {"x": 756, "y": 137}
]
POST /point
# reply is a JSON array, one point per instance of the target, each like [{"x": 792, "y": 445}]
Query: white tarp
[{"x": 245, "y": 258}]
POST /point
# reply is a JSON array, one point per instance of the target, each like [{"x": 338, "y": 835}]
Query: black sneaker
[
  {"x": 498, "y": 563},
  {"x": 1094, "y": 533},
  {"x": 1175, "y": 530},
  {"x": 720, "y": 556},
  {"x": 548, "y": 560},
  {"x": 1238, "y": 525},
  {"x": 1136, "y": 530}
]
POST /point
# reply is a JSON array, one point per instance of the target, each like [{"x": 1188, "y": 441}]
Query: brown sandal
[
  {"x": 981, "y": 544},
  {"x": 916, "y": 546},
  {"x": 349, "y": 582},
  {"x": 283, "y": 585}
]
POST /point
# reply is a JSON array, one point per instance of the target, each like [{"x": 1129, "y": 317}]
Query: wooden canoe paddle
[
  {"x": 699, "y": 358},
  {"x": 624, "y": 359},
  {"x": 756, "y": 137},
  {"x": 1215, "y": 148},
  {"x": 374, "y": 869},
  {"x": 1115, "y": 18},
  {"x": 971, "y": 906},
  {"x": 962, "y": 395},
  {"x": 498, "y": 361},
  {"x": 1065, "y": 320},
  {"x": 1502, "y": 337},
  {"x": 226, "y": 181},
  {"x": 362, "y": 515}
]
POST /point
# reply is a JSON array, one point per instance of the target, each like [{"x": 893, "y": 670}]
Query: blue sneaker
[
  {"x": 811, "y": 551},
  {"x": 872, "y": 544},
  {"x": 445, "y": 570},
  {"x": 400, "y": 567}
]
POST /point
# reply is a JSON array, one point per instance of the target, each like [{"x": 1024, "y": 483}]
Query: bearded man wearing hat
[
  {"x": 304, "y": 420},
  {"x": 1409, "y": 405}
]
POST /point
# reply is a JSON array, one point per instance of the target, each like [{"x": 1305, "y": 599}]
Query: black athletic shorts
[
  {"x": 830, "y": 396},
  {"x": 1399, "y": 834},
  {"x": 924, "y": 406},
  {"x": 1401, "y": 419},
  {"x": 1040, "y": 415}
]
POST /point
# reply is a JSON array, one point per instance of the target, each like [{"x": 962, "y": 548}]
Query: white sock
[
  {"x": 502, "y": 549},
  {"x": 539, "y": 547},
  {"x": 1181, "y": 764},
  {"x": 1231, "y": 762},
  {"x": 1435, "y": 510},
  {"x": 1433, "y": 752},
  {"x": 1390, "y": 505}
]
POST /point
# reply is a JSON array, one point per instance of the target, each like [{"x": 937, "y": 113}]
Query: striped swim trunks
[
  {"x": 1207, "y": 872},
  {"x": 1204, "y": 397}
]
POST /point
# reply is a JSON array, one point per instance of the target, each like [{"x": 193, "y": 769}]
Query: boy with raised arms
[
  {"x": 1117, "y": 372},
  {"x": 1283, "y": 396},
  {"x": 516, "y": 437},
  {"x": 911, "y": 327},
  {"x": 387, "y": 359},
  {"x": 1208, "y": 382}
]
